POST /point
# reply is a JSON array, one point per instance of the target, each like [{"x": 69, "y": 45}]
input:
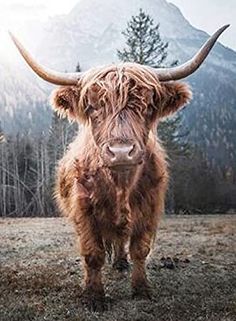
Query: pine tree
[
  {"x": 143, "y": 42},
  {"x": 173, "y": 136},
  {"x": 78, "y": 68}
]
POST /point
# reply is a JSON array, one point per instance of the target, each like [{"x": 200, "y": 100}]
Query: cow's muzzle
[{"x": 117, "y": 155}]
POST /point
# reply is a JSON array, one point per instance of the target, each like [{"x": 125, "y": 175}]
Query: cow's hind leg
[
  {"x": 120, "y": 262},
  {"x": 140, "y": 245}
]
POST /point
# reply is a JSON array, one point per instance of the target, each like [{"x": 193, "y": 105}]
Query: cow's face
[{"x": 121, "y": 107}]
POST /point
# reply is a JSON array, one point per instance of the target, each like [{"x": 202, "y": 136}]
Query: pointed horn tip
[
  {"x": 219, "y": 32},
  {"x": 12, "y": 36},
  {"x": 223, "y": 28}
]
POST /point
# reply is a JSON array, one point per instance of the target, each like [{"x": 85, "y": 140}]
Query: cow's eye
[
  {"x": 150, "y": 111},
  {"x": 89, "y": 109}
]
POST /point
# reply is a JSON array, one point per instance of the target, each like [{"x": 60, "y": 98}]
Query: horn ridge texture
[
  {"x": 54, "y": 77},
  {"x": 189, "y": 67}
]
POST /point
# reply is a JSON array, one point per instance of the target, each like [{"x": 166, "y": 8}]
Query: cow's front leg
[
  {"x": 140, "y": 245},
  {"x": 93, "y": 252},
  {"x": 93, "y": 295}
]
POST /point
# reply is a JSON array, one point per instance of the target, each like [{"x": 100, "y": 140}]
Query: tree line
[
  {"x": 27, "y": 170},
  {"x": 28, "y": 165}
]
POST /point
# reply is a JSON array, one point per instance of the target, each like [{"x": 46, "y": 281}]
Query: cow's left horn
[
  {"x": 175, "y": 73},
  {"x": 54, "y": 77}
]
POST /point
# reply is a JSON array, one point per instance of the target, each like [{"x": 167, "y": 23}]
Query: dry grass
[{"x": 40, "y": 273}]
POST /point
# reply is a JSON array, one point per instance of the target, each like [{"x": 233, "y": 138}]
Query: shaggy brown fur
[{"x": 115, "y": 207}]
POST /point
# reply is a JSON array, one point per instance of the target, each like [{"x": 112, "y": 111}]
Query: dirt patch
[{"x": 192, "y": 270}]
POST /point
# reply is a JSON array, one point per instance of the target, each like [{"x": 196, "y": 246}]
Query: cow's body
[
  {"x": 112, "y": 208},
  {"x": 119, "y": 203}
]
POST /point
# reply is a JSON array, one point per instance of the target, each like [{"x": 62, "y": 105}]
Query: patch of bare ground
[{"x": 192, "y": 270}]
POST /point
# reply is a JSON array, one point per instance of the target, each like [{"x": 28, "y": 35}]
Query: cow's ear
[
  {"x": 65, "y": 101},
  {"x": 174, "y": 95}
]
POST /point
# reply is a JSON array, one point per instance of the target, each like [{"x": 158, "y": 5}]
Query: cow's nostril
[
  {"x": 121, "y": 153},
  {"x": 132, "y": 150},
  {"x": 109, "y": 151}
]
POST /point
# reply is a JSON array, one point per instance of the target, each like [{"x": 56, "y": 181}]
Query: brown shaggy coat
[{"x": 115, "y": 208}]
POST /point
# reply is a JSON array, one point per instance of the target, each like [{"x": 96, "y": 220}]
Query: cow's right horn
[
  {"x": 54, "y": 77},
  {"x": 188, "y": 68}
]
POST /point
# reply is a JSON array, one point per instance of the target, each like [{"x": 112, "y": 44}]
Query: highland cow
[{"x": 113, "y": 178}]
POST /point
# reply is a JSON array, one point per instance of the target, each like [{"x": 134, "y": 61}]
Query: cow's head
[{"x": 121, "y": 103}]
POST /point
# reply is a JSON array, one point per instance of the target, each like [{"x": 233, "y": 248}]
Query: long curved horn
[
  {"x": 179, "y": 72},
  {"x": 54, "y": 77}
]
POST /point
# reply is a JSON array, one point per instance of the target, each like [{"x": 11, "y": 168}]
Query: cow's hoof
[
  {"x": 141, "y": 292},
  {"x": 95, "y": 302},
  {"x": 121, "y": 265}
]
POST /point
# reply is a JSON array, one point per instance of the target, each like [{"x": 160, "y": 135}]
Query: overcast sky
[
  {"x": 204, "y": 14},
  {"x": 210, "y": 15}
]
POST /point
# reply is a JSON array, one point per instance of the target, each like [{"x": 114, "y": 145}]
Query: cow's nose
[{"x": 123, "y": 154}]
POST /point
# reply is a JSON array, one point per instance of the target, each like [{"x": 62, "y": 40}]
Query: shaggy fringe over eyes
[{"x": 114, "y": 87}]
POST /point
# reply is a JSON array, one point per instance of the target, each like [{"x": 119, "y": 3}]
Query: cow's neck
[
  {"x": 117, "y": 184},
  {"x": 125, "y": 179},
  {"x": 123, "y": 182}
]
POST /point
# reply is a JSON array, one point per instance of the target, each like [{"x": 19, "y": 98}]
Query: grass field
[{"x": 40, "y": 273}]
